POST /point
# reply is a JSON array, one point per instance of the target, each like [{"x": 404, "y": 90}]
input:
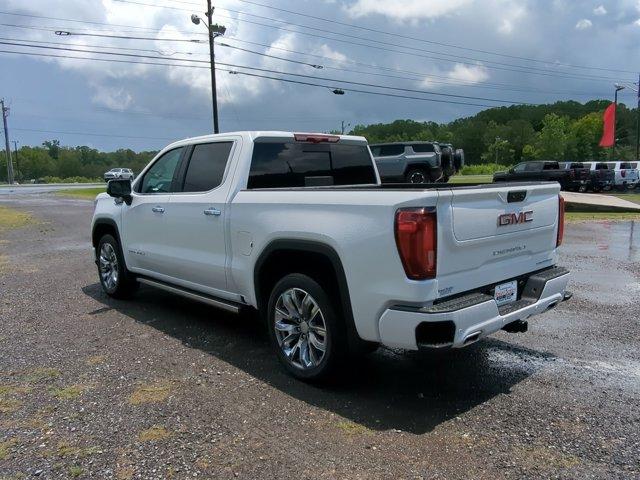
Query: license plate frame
[{"x": 505, "y": 293}]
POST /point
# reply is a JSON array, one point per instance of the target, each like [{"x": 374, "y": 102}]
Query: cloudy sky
[{"x": 462, "y": 54}]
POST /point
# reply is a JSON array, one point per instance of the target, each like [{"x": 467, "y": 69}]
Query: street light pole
[
  {"x": 638, "y": 123},
  {"x": 615, "y": 120}
]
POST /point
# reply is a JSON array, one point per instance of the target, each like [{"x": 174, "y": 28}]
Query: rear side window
[
  {"x": 625, "y": 166},
  {"x": 293, "y": 164},
  {"x": 533, "y": 167},
  {"x": 423, "y": 148},
  {"x": 551, "y": 166},
  {"x": 388, "y": 150},
  {"x": 206, "y": 166},
  {"x": 601, "y": 166}
]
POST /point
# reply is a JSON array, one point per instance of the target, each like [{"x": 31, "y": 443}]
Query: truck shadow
[{"x": 408, "y": 391}]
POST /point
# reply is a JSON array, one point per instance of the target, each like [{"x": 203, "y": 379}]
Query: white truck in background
[{"x": 299, "y": 227}]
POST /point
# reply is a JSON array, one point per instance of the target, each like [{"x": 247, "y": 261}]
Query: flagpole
[{"x": 615, "y": 118}]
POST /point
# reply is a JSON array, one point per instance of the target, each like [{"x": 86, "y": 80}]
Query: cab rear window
[{"x": 302, "y": 164}]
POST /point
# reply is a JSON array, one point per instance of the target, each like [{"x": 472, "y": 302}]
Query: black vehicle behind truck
[
  {"x": 579, "y": 175},
  {"x": 543, "y": 170},
  {"x": 600, "y": 176}
]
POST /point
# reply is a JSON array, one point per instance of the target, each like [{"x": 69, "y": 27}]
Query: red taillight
[
  {"x": 623, "y": 173},
  {"x": 315, "y": 138},
  {"x": 416, "y": 238},
  {"x": 572, "y": 173},
  {"x": 560, "y": 220}
]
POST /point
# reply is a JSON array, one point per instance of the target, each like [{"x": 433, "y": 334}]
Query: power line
[
  {"x": 339, "y": 81},
  {"x": 432, "y": 42},
  {"x": 330, "y": 87},
  {"x": 91, "y": 134},
  {"x": 494, "y": 64}
]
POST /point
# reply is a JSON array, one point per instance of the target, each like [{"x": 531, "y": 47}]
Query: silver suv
[
  {"x": 120, "y": 173},
  {"x": 408, "y": 162},
  {"x": 416, "y": 162}
]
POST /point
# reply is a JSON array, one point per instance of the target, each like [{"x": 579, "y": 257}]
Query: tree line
[
  {"x": 505, "y": 135},
  {"x": 52, "y": 162}
]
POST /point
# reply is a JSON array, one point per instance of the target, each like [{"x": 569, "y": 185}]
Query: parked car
[
  {"x": 601, "y": 178},
  {"x": 408, "y": 162},
  {"x": 626, "y": 176},
  {"x": 120, "y": 173},
  {"x": 299, "y": 227},
  {"x": 542, "y": 170},
  {"x": 579, "y": 174}
]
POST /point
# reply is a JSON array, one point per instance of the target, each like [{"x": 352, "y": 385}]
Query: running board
[{"x": 198, "y": 297}]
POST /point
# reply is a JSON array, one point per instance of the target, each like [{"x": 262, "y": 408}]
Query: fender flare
[{"x": 327, "y": 251}]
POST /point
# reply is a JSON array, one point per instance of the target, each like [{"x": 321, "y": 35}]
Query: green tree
[
  {"x": 584, "y": 138},
  {"x": 551, "y": 142},
  {"x": 500, "y": 151}
]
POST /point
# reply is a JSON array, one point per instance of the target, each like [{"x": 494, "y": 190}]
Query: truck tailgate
[{"x": 492, "y": 233}]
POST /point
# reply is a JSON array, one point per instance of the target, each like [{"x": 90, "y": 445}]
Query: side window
[
  {"x": 206, "y": 166},
  {"x": 533, "y": 167},
  {"x": 286, "y": 165},
  {"x": 391, "y": 150},
  {"x": 423, "y": 148},
  {"x": 519, "y": 168},
  {"x": 375, "y": 151},
  {"x": 159, "y": 177},
  {"x": 551, "y": 166}
]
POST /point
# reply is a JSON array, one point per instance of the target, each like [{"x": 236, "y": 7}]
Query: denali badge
[{"x": 515, "y": 218}]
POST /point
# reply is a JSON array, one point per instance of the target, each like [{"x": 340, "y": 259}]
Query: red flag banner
[{"x": 609, "y": 130}]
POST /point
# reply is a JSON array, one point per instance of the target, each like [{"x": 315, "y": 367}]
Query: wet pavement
[{"x": 160, "y": 387}]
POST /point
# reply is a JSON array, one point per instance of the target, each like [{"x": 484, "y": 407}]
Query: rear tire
[
  {"x": 307, "y": 332},
  {"x": 116, "y": 280},
  {"x": 417, "y": 175}
]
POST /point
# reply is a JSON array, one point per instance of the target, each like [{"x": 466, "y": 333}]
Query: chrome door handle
[
  {"x": 212, "y": 211},
  {"x": 157, "y": 210}
]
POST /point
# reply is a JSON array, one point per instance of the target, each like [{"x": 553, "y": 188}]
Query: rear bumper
[{"x": 464, "y": 319}]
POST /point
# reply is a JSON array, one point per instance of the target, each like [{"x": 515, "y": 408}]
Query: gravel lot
[{"x": 160, "y": 387}]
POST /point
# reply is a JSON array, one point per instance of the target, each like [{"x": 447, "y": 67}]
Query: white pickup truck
[{"x": 299, "y": 227}]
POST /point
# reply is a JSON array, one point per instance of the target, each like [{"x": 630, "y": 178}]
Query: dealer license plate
[{"x": 506, "y": 293}]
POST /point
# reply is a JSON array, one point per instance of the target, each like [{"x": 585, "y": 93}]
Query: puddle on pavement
[{"x": 617, "y": 240}]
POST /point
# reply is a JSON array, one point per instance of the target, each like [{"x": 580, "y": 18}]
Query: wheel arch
[
  {"x": 322, "y": 263},
  {"x": 104, "y": 226}
]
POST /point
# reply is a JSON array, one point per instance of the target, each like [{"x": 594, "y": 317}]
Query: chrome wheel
[
  {"x": 300, "y": 328},
  {"x": 108, "y": 266}
]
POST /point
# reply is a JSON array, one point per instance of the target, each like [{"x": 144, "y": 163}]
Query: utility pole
[
  {"x": 5, "y": 114},
  {"x": 213, "y": 31},
  {"x": 15, "y": 151},
  {"x": 343, "y": 126},
  {"x": 638, "y": 123},
  {"x": 214, "y": 95}
]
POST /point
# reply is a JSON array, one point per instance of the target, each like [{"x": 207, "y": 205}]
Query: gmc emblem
[{"x": 515, "y": 218}]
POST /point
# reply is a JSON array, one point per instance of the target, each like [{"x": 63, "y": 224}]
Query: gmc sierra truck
[{"x": 299, "y": 227}]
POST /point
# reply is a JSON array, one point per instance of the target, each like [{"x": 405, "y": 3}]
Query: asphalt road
[
  {"x": 159, "y": 387},
  {"x": 44, "y": 188}
]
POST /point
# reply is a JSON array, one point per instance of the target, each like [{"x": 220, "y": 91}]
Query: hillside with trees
[{"x": 505, "y": 135}]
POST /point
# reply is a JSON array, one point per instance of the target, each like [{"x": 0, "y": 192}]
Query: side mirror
[
  {"x": 512, "y": 170},
  {"x": 120, "y": 189}
]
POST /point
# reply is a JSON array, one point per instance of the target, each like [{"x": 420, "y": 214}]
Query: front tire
[
  {"x": 305, "y": 329},
  {"x": 116, "y": 280}
]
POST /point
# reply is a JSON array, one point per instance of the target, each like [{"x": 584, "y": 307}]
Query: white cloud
[
  {"x": 469, "y": 74},
  {"x": 600, "y": 10},
  {"x": 510, "y": 18},
  {"x": 112, "y": 97},
  {"x": 407, "y": 9},
  {"x": 327, "y": 51},
  {"x": 584, "y": 24}
]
